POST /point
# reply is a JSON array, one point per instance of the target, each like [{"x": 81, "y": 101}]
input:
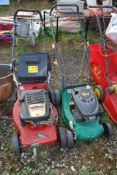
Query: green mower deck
[{"x": 84, "y": 131}]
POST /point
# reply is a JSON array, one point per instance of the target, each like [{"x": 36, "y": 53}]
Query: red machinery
[
  {"x": 34, "y": 114},
  {"x": 106, "y": 91},
  {"x": 32, "y": 134},
  {"x": 103, "y": 62}
]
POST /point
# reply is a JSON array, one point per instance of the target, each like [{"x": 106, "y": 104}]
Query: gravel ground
[
  {"x": 95, "y": 158},
  {"x": 98, "y": 157}
]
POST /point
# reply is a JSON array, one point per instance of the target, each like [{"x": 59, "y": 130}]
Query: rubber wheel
[
  {"x": 107, "y": 129},
  {"x": 52, "y": 96},
  {"x": 55, "y": 97},
  {"x": 62, "y": 137},
  {"x": 70, "y": 139},
  {"x": 23, "y": 124},
  {"x": 99, "y": 92},
  {"x": 111, "y": 90},
  {"x": 16, "y": 144}
]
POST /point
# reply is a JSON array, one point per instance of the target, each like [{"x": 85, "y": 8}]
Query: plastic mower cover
[
  {"x": 33, "y": 68},
  {"x": 34, "y": 105},
  {"x": 86, "y": 102}
]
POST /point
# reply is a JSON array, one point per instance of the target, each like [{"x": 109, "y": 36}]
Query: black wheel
[
  {"x": 23, "y": 124},
  {"x": 99, "y": 92},
  {"x": 55, "y": 97},
  {"x": 107, "y": 129},
  {"x": 62, "y": 137},
  {"x": 70, "y": 139},
  {"x": 52, "y": 96},
  {"x": 111, "y": 90},
  {"x": 16, "y": 144}
]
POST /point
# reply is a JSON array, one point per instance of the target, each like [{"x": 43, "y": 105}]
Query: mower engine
[
  {"x": 34, "y": 106},
  {"x": 86, "y": 104}
]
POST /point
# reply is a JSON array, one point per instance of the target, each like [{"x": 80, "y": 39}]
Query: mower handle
[
  {"x": 64, "y": 5},
  {"x": 27, "y": 10},
  {"x": 100, "y": 6}
]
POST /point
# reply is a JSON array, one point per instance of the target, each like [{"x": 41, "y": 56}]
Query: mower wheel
[
  {"x": 55, "y": 97},
  {"x": 52, "y": 96},
  {"x": 99, "y": 92},
  {"x": 62, "y": 137},
  {"x": 70, "y": 139},
  {"x": 111, "y": 90},
  {"x": 107, "y": 129},
  {"x": 16, "y": 144},
  {"x": 23, "y": 124}
]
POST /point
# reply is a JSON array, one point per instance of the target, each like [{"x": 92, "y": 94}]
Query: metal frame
[
  {"x": 102, "y": 38},
  {"x": 78, "y": 15}
]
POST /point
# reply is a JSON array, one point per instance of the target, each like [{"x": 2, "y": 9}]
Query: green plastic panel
[{"x": 85, "y": 131}]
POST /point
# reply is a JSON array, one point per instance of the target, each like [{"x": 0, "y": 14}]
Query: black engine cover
[
  {"x": 86, "y": 101},
  {"x": 38, "y": 98}
]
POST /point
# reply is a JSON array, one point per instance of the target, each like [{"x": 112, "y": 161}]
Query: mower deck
[
  {"x": 110, "y": 105},
  {"x": 98, "y": 68},
  {"x": 31, "y": 135},
  {"x": 84, "y": 131}
]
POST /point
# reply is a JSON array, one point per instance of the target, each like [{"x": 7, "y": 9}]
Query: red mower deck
[{"x": 98, "y": 68}]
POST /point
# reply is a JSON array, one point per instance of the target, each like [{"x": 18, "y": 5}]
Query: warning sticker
[{"x": 33, "y": 69}]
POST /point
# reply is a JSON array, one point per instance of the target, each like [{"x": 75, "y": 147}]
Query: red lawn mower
[
  {"x": 34, "y": 115},
  {"x": 103, "y": 62}
]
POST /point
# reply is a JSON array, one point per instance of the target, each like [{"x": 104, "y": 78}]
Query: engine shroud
[
  {"x": 85, "y": 102},
  {"x": 34, "y": 106}
]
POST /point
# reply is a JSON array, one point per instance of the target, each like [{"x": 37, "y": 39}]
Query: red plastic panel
[
  {"x": 98, "y": 65},
  {"x": 30, "y": 135}
]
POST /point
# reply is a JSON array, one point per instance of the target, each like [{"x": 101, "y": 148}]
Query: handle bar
[
  {"x": 64, "y": 5},
  {"x": 100, "y": 6},
  {"x": 27, "y": 10}
]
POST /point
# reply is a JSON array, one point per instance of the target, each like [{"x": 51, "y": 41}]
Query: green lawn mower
[{"x": 81, "y": 110}]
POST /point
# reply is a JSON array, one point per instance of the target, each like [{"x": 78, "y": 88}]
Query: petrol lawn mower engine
[
  {"x": 34, "y": 107},
  {"x": 86, "y": 106}
]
